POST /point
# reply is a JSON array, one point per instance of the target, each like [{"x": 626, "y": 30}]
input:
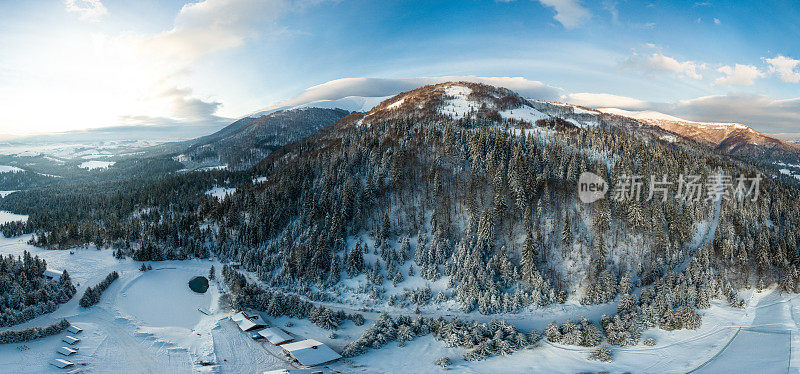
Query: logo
[{"x": 591, "y": 187}]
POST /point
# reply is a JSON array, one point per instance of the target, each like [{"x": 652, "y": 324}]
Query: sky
[{"x": 79, "y": 64}]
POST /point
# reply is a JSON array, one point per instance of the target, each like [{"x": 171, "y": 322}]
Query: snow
[
  {"x": 96, "y": 155},
  {"x": 524, "y": 113},
  {"x": 6, "y": 193},
  {"x": 789, "y": 172},
  {"x": 310, "y": 352},
  {"x": 669, "y": 138},
  {"x": 91, "y": 165},
  {"x": 66, "y": 351},
  {"x": 575, "y": 109},
  {"x": 171, "y": 302},
  {"x": 221, "y": 192},
  {"x": 149, "y": 322},
  {"x": 458, "y": 105},
  {"x": 421, "y": 354},
  {"x": 275, "y": 335},
  {"x": 644, "y": 114},
  {"x": 396, "y": 104},
  {"x": 658, "y": 116},
  {"x": 9, "y": 169},
  {"x": 217, "y": 167},
  {"x": 6, "y": 217}
]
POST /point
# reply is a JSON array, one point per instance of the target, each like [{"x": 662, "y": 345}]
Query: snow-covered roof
[
  {"x": 239, "y": 316},
  {"x": 249, "y": 322},
  {"x": 50, "y": 273},
  {"x": 275, "y": 335},
  {"x": 66, "y": 351},
  {"x": 310, "y": 352},
  {"x": 294, "y": 371},
  {"x": 74, "y": 329},
  {"x": 70, "y": 339},
  {"x": 60, "y": 363}
]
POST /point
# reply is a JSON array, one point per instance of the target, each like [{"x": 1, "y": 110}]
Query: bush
[
  {"x": 601, "y": 353},
  {"x": 650, "y": 342},
  {"x": 443, "y": 361}
]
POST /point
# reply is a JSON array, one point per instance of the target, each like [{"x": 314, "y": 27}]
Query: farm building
[
  {"x": 66, "y": 351},
  {"x": 310, "y": 352},
  {"x": 74, "y": 329},
  {"x": 275, "y": 335},
  {"x": 240, "y": 316},
  {"x": 53, "y": 274},
  {"x": 71, "y": 340},
  {"x": 61, "y": 364},
  {"x": 249, "y": 321}
]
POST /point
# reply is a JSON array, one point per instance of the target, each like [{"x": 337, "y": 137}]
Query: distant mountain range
[
  {"x": 459, "y": 100},
  {"x": 248, "y": 140}
]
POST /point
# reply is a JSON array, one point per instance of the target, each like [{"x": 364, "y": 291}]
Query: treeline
[
  {"x": 26, "y": 293},
  {"x": 92, "y": 294},
  {"x": 480, "y": 339},
  {"x": 248, "y": 295},
  {"x": 18, "y": 336}
]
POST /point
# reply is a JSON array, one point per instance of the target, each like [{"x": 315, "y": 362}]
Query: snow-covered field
[
  {"x": 150, "y": 322},
  {"x": 9, "y": 169},
  {"x": 91, "y": 165},
  {"x": 10, "y": 217},
  {"x": 221, "y": 192}
]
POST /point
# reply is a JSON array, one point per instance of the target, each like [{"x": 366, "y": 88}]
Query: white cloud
[
  {"x": 742, "y": 75},
  {"x": 103, "y": 79},
  {"x": 377, "y": 87},
  {"x": 659, "y": 63},
  {"x": 717, "y": 21},
  {"x": 570, "y": 13},
  {"x": 213, "y": 25},
  {"x": 86, "y": 9},
  {"x": 199, "y": 29},
  {"x": 785, "y": 68}
]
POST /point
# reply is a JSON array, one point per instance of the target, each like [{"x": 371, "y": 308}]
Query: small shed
[
  {"x": 71, "y": 340},
  {"x": 53, "y": 274},
  {"x": 310, "y": 352},
  {"x": 275, "y": 335},
  {"x": 61, "y": 363},
  {"x": 67, "y": 351},
  {"x": 74, "y": 329}
]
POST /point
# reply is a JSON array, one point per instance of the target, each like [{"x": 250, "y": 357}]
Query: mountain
[
  {"x": 250, "y": 139},
  {"x": 732, "y": 138}
]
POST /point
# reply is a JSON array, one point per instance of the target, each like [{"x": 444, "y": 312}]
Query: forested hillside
[
  {"x": 483, "y": 200},
  {"x": 245, "y": 142},
  {"x": 26, "y": 293}
]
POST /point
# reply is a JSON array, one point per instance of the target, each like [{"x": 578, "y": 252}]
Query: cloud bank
[{"x": 376, "y": 87}]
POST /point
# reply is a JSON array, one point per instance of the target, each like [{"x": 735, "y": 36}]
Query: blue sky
[{"x": 72, "y": 64}]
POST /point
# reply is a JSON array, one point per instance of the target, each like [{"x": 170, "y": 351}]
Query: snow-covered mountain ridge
[{"x": 460, "y": 100}]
